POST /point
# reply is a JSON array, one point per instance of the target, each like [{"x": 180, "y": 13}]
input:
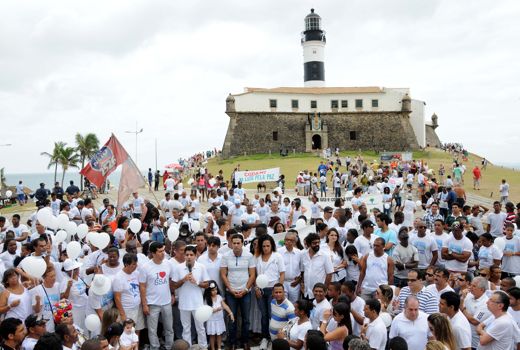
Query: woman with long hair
[
  {"x": 278, "y": 228},
  {"x": 441, "y": 329},
  {"x": 296, "y": 211},
  {"x": 271, "y": 264},
  {"x": 110, "y": 316},
  {"x": 295, "y": 335},
  {"x": 387, "y": 201},
  {"x": 46, "y": 295},
  {"x": 338, "y": 326},
  {"x": 15, "y": 300},
  {"x": 385, "y": 295},
  {"x": 336, "y": 255}
]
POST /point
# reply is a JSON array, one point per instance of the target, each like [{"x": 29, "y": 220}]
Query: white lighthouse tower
[{"x": 313, "y": 43}]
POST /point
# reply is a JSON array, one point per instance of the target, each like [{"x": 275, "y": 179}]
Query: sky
[{"x": 103, "y": 66}]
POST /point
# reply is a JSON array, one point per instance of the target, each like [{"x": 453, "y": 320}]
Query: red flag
[
  {"x": 105, "y": 161},
  {"x": 131, "y": 180}
]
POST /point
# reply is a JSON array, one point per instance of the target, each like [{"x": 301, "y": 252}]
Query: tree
[
  {"x": 68, "y": 158},
  {"x": 2, "y": 179},
  {"x": 54, "y": 157},
  {"x": 86, "y": 146}
]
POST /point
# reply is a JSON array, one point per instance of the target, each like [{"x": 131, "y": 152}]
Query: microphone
[{"x": 189, "y": 267}]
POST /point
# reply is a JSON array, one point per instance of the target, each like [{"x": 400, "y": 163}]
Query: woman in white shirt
[
  {"x": 296, "y": 333},
  {"x": 336, "y": 253},
  {"x": 74, "y": 288},
  {"x": 271, "y": 264},
  {"x": 120, "y": 232}
]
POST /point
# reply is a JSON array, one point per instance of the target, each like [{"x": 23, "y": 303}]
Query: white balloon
[
  {"x": 135, "y": 225},
  {"x": 73, "y": 250},
  {"x": 60, "y": 236},
  {"x": 418, "y": 203},
  {"x": 262, "y": 281},
  {"x": 173, "y": 233},
  {"x": 34, "y": 266},
  {"x": 72, "y": 228},
  {"x": 92, "y": 323},
  {"x": 517, "y": 280},
  {"x": 82, "y": 230},
  {"x": 195, "y": 226},
  {"x": 8, "y": 193},
  {"x": 102, "y": 240},
  {"x": 500, "y": 243},
  {"x": 92, "y": 238},
  {"x": 53, "y": 224},
  {"x": 203, "y": 313},
  {"x": 63, "y": 221},
  {"x": 44, "y": 216},
  {"x": 300, "y": 223}
]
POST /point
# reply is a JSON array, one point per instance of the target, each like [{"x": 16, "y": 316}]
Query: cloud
[{"x": 98, "y": 66}]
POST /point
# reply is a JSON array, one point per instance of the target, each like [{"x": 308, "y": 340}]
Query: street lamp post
[{"x": 136, "y": 132}]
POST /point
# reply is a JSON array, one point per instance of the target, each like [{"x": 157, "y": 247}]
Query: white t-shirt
[
  {"x": 458, "y": 246},
  {"x": 461, "y": 330},
  {"x": 415, "y": 332},
  {"x": 317, "y": 312},
  {"x": 510, "y": 264},
  {"x": 53, "y": 295},
  {"x": 77, "y": 293},
  {"x": 478, "y": 309},
  {"x": 299, "y": 331},
  {"x": 157, "y": 278},
  {"x": 502, "y": 330},
  {"x": 364, "y": 245},
  {"x": 29, "y": 343},
  {"x": 437, "y": 293},
  {"x": 137, "y": 202},
  {"x": 170, "y": 184},
  {"x": 376, "y": 334},
  {"x": 486, "y": 255},
  {"x": 190, "y": 294},
  {"x": 271, "y": 268},
  {"x": 315, "y": 210},
  {"x": 358, "y": 305},
  {"x": 213, "y": 268},
  {"x": 19, "y": 230},
  {"x": 496, "y": 222},
  {"x": 425, "y": 247},
  {"x": 128, "y": 285}
]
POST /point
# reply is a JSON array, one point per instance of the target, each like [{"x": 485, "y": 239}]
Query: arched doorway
[{"x": 316, "y": 142}]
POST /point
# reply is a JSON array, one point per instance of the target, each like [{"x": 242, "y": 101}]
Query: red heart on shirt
[{"x": 162, "y": 274}]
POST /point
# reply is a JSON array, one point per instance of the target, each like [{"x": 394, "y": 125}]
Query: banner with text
[{"x": 250, "y": 176}]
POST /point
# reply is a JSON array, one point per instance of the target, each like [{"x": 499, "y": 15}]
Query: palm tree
[
  {"x": 68, "y": 159},
  {"x": 2, "y": 179},
  {"x": 86, "y": 146},
  {"x": 54, "y": 157}
]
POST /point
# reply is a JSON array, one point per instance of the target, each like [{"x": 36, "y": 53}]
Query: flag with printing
[{"x": 105, "y": 161}]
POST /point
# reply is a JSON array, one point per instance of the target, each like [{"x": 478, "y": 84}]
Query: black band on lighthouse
[{"x": 314, "y": 70}]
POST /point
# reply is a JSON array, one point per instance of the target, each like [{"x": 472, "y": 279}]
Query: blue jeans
[
  {"x": 244, "y": 304},
  {"x": 337, "y": 192},
  {"x": 158, "y": 236},
  {"x": 264, "y": 304}
]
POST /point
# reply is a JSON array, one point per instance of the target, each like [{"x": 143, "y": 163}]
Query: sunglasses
[
  {"x": 461, "y": 279},
  {"x": 430, "y": 274},
  {"x": 410, "y": 280},
  {"x": 484, "y": 274}
]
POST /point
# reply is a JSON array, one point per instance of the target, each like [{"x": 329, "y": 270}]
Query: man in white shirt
[
  {"x": 170, "y": 184},
  {"x": 137, "y": 206},
  {"x": 457, "y": 250},
  {"x": 211, "y": 260},
  {"x": 474, "y": 306},
  {"x": 329, "y": 219},
  {"x": 21, "y": 231},
  {"x": 412, "y": 324},
  {"x": 190, "y": 279},
  {"x": 449, "y": 305},
  {"x": 292, "y": 260},
  {"x": 375, "y": 330},
  {"x": 496, "y": 220},
  {"x": 498, "y": 332},
  {"x": 165, "y": 205},
  {"x": 365, "y": 242},
  {"x": 275, "y": 211},
  {"x": 441, "y": 283},
  {"x": 357, "y": 306},
  {"x": 156, "y": 296},
  {"x": 316, "y": 265}
]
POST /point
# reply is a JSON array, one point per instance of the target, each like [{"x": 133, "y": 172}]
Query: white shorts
[{"x": 137, "y": 315}]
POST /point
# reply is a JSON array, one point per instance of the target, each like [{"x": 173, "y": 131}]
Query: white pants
[
  {"x": 292, "y": 293},
  {"x": 186, "y": 328}
]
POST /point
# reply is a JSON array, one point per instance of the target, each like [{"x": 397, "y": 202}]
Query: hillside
[{"x": 292, "y": 164}]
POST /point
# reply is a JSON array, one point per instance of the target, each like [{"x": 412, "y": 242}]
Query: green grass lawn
[{"x": 293, "y": 163}]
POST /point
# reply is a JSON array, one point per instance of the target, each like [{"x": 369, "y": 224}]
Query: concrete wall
[
  {"x": 417, "y": 120},
  {"x": 252, "y": 132}
]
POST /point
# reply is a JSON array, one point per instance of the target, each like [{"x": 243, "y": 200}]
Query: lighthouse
[{"x": 313, "y": 43}]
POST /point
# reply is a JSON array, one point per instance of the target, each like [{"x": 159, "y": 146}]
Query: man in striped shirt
[
  {"x": 427, "y": 300},
  {"x": 282, "y": 310}
]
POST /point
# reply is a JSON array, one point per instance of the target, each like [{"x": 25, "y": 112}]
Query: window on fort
[
  {"x": 359, "y": 103},
  {"x": 375, "y": 103},
  {"x": 314, "y": 104},
  {"x": 294, "y": 103},
  {"x": 353, "y": 135},
  {"x": 334, "y": 104},
  {"x": 344, "y": 103},
  {"x": 272, "y": 103},
  {"x": 275, "y": 135}
]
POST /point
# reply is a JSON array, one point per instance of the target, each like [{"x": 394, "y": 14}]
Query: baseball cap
[{"x": 34, "y": 320}]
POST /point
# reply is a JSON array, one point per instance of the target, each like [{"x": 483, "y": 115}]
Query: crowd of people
[{"x": 274, "y": 271}]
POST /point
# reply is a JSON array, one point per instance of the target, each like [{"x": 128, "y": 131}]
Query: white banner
[{"x": 250, "y": 176}]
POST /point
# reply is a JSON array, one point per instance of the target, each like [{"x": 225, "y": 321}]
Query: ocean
[{"x": 33, "y": 180}]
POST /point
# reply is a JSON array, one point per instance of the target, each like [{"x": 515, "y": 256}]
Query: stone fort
[{"x": 315, "y": 117}]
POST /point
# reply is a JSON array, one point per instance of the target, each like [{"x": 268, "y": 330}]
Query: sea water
[{"x": 33, "y": 180}]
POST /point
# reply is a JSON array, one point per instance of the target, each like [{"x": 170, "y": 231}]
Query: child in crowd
[
  {"x": 216, "y": 326},
  {"x": 129, "y": 339}
]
